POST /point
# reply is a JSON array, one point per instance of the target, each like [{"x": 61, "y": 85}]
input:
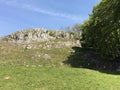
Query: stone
[
  {"x": 7, "y": 77},
  {"x": 28, "y": 47},
  {"x": 29, "y": 37},
  {"x": 46, "y": 57}
]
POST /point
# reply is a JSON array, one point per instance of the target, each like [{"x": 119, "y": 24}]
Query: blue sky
[{"x": 50, "y": 14}]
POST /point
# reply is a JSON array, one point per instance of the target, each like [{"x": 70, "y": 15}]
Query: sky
[{"x": 18, "y": 15}]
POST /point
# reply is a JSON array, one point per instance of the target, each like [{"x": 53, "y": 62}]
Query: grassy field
[
  {"x": 28, "y": 70},
  {"x": 56, "y": 78}
]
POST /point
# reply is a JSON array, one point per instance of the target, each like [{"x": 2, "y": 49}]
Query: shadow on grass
[{"x": 88, "y": 58}]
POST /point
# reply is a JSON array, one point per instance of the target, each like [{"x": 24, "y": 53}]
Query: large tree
[{"x": 102, "y": 30}]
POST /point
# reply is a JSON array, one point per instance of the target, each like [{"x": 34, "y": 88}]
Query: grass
[
  {"x": 55, "y": 78},
  {"x": 13, "y": 55},
  {"x": 23, "y": 70}
]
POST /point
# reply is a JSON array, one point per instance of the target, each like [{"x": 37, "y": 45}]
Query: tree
[
  {"x": 76, "y": 30},
  {"x": 102, "y": 30}
]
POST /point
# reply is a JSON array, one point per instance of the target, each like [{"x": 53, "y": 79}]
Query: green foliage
[{"x": 102, "y": 30}]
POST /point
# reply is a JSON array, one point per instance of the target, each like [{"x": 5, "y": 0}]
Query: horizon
[{"x": 18, "y": 15}]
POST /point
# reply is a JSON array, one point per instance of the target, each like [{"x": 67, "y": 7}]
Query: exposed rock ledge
[{"x": 29, "y": 36}]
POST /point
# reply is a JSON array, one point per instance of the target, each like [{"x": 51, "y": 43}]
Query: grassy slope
[
  {"x": 22, "y": 70},
  {"x": 13, "y": 55},
  {"x": 57, "y": 78}
]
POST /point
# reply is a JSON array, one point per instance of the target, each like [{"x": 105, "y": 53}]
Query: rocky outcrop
[
  {"x": 26, "y": 37},
  {"x": 50, "y": 44},
  {"x": 37, "y": 34}
]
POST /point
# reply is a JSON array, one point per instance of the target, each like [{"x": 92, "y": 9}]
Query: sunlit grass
[
  {"x": 55, "y": 78},
  {"x": 23, "y": 70}
]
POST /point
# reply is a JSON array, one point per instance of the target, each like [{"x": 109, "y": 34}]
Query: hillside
[
  {"x": 38, "y": 59},
  {"x": 37, "y": 46}
]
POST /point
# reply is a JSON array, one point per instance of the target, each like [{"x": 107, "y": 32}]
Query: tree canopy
[{"x": 102, "y": 30}]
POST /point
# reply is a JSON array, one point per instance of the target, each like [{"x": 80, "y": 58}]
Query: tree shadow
[{"x": 89, "y": 58}]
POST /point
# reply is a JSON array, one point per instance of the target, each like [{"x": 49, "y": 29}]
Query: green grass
[
  {"x": 23, "y": 70},
  {"x": 55, "y": 78},
  {"x": 11, "y": 55}
]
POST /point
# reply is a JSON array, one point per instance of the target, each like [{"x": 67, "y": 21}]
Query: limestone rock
[
  {"x": 37, "y": 34},
  {"x": 46, "y": 57},
  {"x": 28, "y": 38}
]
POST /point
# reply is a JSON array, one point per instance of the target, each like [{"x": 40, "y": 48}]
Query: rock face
[{"x": 41, "y": 35}]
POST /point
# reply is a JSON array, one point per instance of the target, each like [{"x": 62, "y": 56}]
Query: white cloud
[
  {"x": 57, "y": 14},
  {"x": 41, "y": 10}
]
